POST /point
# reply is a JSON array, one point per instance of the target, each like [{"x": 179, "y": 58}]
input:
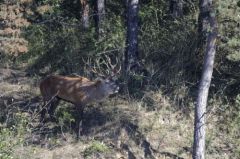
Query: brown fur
[{"x": 77, "y": 90}]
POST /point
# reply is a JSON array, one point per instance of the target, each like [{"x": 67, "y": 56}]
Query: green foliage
[
  {"x": 51, "y": 2},
  {"x": 113, "y": 39},
  {"x": 59, "y": 43},
  {"x": 95, "y": 147},
  {"x": 13, "y": 136},
  {"x": 58, "y": 48},
  {"x": 55, "y": 6},
  {"x": 235, "y": 124},
  {"x": 6, "y": 145},
  {"x": 228, "y": 25},
  {"x": 167, "y": 47},
  {"x": 238, "y": 100},
  {"x": 65, "y": 116}
]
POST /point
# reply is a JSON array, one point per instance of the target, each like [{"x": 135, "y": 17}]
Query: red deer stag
[{"x": 78, "y": 90}]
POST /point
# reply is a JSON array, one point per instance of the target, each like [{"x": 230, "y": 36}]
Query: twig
[{"x": 44, "y": 106}]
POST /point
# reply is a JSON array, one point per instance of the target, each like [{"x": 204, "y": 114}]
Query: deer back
[{"x": 78, "y": 90}]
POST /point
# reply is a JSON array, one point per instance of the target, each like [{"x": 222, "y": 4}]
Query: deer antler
[
  {"x": 113, "y": 67},
  {"x": 95, "y": 66},
  {"x": 103, "y": 63}
]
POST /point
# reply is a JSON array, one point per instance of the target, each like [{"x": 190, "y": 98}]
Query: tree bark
[
  {"x": 85, "y": 13},
  {"x": 100, "y": 16},
  {"x": 176, "y": 8},
  {"x": 131, "y": 52},
  {"x": 131, "y": 61},
  {"x": 206, "y": 19},
  {"x": 133, "y": 66}
]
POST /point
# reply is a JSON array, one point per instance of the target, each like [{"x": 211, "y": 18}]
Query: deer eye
[{"x": 98, "y": 82}]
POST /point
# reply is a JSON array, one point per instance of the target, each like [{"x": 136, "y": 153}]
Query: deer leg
[
  {"x": 79, "y": 120},
  {"x": 52, "y": 108},
  {"x": 46, "y": 104}
]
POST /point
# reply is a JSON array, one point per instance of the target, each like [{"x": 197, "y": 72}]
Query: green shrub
[{"x": 95, "y": 147}]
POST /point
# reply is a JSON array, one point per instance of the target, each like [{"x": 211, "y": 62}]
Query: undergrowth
[
  {"x": 14, "y": 135},
  {"x": 159, "y": 111}
]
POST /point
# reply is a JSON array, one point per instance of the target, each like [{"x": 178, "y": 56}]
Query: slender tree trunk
[
  {"x": 176, "y": 8},
  {"x": 206, "y": 19},
  {"x": 85, "y": 13},
  {"x": 131, "y": 52},
  {"x": 100, "y": 16},
  {"x": 131, "y": 62}
]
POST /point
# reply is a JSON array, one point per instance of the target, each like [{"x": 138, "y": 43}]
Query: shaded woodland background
[{"x": 41, "y": 37}]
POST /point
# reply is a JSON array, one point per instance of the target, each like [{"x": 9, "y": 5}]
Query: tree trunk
[
  {"x": 205, "y": 19},
  {"x": 85, "y": 13},
  {"x": 100, "y": 16},
  {"x": 131, "y": 52},
  {"x": 176, "y": 8},
  {"x": 133, "y": 67}
]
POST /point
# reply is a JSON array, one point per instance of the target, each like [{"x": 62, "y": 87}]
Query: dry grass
[
  {"x": 44, "y": 9},
  {"x": 148, "y": 127}
]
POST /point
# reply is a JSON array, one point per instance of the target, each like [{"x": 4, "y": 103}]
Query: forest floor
[
  {"x": 155, "y": 126},
  {"x": 118, "y": 128}
]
